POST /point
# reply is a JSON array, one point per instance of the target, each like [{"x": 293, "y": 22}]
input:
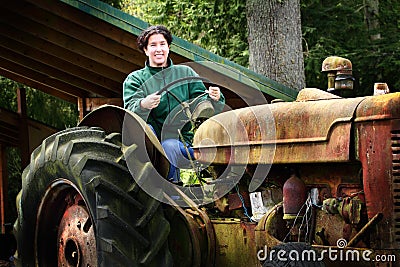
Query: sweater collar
[{"x": 154, "y": 70}]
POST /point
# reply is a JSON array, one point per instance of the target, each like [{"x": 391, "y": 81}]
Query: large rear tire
[{"x": 80, "y": 206}]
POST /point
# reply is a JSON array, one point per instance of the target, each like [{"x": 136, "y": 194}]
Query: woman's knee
[{"x": 170, "y": 144}]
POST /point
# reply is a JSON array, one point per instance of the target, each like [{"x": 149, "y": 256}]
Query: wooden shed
[{"x": 81, "y": 51}]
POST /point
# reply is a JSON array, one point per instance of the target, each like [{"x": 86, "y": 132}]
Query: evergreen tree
[{"x": 337, "y": 27}]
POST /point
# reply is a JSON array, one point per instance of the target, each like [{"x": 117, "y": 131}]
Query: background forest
[
  {"x": 334, "y": 27},
  {"x": 329, "y": 28}
]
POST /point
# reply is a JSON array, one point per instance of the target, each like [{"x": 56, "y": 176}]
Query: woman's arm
[{"x": 133, "y": 94}]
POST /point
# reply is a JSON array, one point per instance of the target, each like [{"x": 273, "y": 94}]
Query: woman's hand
[
  {"x": 150, "y": 101},
  {"x": 214, "y": 92}
]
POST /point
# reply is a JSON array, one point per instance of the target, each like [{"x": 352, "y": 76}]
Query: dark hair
[{"x": 143, "y": 38}]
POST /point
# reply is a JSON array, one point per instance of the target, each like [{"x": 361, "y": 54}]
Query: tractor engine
[{"x": 322, "y": 170}]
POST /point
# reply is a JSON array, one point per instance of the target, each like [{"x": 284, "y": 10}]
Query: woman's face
[{"x": 157, "y": 50}]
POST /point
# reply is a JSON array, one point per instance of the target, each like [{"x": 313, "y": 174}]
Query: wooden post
[
  {"x": 23, "y": 130},
  {"x": 3, "y": 186},
  {"x": 81, "y": 108}
]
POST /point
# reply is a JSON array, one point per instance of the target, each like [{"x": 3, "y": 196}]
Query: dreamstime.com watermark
[{"x": 331, "y": 254}]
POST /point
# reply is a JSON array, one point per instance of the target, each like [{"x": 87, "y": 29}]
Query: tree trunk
[
  {"x": 371, "y": 13},
  {"x": 275, "y": 40}
]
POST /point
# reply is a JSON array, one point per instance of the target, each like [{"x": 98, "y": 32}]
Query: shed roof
[{"x": 85, "y": 48}]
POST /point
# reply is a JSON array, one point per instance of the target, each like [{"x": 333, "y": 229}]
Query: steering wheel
[{"x": 202, "y": 109}]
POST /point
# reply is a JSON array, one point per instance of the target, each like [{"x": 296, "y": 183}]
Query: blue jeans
[{"x": 177, "y": 156}]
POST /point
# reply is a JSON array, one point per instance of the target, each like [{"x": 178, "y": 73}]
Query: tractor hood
[{"x": 314, "y": 128}]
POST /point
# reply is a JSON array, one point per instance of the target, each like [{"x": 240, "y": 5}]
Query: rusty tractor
[{"x": 314, "y": 182}]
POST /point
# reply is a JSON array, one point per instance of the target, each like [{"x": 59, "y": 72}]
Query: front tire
[{"x": 80, "y": 206}]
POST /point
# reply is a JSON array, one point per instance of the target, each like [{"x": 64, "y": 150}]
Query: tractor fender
[{"x": 134, "y": 131}]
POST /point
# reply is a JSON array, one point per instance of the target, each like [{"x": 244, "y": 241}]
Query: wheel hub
[{"x": 76, "y": 238}]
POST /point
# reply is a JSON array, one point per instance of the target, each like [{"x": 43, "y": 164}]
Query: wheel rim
[
  {"x": 76, "y": 238},
  {"x": 65, "y": 233}
]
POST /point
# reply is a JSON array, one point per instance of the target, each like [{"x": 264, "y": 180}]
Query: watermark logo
[
  {"x": 296, "y": 252},
  {"x": 341, "y": 243}
]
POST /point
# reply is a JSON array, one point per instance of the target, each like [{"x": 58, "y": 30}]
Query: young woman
[{"x": 140, "y": 93}]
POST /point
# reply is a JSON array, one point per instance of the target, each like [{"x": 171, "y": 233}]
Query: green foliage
[
  {"x": 40, "y": 105},
  {"x": 8, "y": 99},
  {"x": 14, "y": 180},
  {"x": 218, "y": 26},
  {"x": 338, "y": 28},
  {"x": 188, "y": 177}
]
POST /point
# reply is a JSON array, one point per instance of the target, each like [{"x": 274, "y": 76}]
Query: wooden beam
[
  {"x": 125, "y": 33},
  {"x": 9, "y": 135},
  {"x": 8, "y": 118},
  {"x": 66, "y": 55},
  {"x": 116, "y": 42},
  {"x": 25, "y": 24},
  {"x": 53, "y": 73},
  {"x": 41, "y": 78},
  {"x": 9, "y": 128},
  {"x": 3, "y": 186},
  {"x": 66, "y": 69},
  {"x": 37, "y": 85}
]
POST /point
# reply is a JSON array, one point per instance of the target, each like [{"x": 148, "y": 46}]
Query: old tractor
[{"x": 314, "y": 182}]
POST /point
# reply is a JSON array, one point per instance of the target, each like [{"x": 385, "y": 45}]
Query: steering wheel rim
[
  {"x": 166, "y": 87},
  {"x": 185, "y": 105}
]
